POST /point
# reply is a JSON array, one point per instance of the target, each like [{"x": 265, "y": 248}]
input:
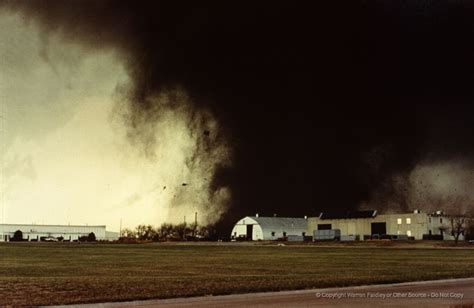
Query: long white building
[{"x": 67, "y": 232}]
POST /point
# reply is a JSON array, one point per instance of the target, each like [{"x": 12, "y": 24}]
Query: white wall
[
  {"x": 33, "y": 232},
  {"x": 411, "y": 224},
  {"x": 279, "y": 233},
  {"x": 240, "y": 228}
]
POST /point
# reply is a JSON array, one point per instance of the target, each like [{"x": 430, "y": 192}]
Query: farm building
[
  {"x": 368, "y": 224},
  {"x": 67, "y": 232},
  {"x": 269, "y": 228}
]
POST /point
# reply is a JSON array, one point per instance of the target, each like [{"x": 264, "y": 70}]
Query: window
[
  {"x": 408, "y": 221},
  {"x": 303, "y": 234},
  {"x": 399, "y": 232},
  {"x": 273, "y": 233},
  {"x": 430, "y": 219},
  {"x": 284, "y": 233},
  {"x": 324, "y": 226},
  {"x": 399, "y": 221},
  {"x": 409, "y": 233},
  {"x": 441, "y": 220}
]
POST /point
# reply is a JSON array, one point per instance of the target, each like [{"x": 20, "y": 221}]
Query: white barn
[
  {"x": 269, "y": 228},
  {"x": 67, "y": 232}
]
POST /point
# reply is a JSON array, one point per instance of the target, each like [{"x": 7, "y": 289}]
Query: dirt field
[{"x": 61, "y": 273}]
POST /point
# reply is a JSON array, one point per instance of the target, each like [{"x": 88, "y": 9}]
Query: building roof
[
  {"x": 281, "y": 223},
  {"x": 348, "y": 215},
  {"x": 40, "y": 225}
]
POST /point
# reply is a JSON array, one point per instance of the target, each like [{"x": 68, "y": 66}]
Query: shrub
[
  {"x": 91, "y": 237},
  {"x": 17, "y": 236}
]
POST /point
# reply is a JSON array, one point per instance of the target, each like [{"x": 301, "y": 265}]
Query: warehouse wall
[
  {"x": 411, "y": 224},
  {"x": 33, "y": 232}
]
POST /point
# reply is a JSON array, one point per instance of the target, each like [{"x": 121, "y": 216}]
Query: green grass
[{"x": 55, "y": 273}]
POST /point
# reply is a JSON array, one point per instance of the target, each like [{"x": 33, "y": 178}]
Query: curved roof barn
[{"x": 269, "y": 228}]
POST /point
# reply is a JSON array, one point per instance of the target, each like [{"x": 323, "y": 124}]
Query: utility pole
[
  {"x": 2, "y": 163},
  {"x": 184, "y": 228},
  {"x": 195, "y": 223},
  {"x": 120, "y": 228}
]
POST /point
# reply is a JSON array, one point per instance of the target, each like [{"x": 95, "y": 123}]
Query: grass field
[{"x": 67, "y": 273}]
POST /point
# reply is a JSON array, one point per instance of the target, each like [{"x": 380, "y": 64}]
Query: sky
[
  {"x": 270, "y": 108},
  {"x": 65, "y": 153}
]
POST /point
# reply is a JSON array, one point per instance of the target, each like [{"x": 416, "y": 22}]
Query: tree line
[{"x": 170, "y": 232}]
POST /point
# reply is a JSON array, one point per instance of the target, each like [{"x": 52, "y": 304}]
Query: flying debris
[
  {"x": 184, "y": 184},
  {"x": 164, "y": 187}
]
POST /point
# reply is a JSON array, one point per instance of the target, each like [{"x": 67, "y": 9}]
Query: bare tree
[
  {"x": 459, "y": 226},
  {"x": 128, "y": 233},
  {"x": 165, "y": 231},
  {"x": 181, "y": 230},
  {"x": 140, "y": 231},
  {"x": 145, "y": 232},
  {"x": 461, "y": 218},
  {"x": 150, "y": 232},
  {"x": 207, "y": 232}
]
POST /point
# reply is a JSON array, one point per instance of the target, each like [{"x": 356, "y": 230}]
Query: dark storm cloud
[{"x": 320, "y": 102}]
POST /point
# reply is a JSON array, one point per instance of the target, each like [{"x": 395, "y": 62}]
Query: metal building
[
  {"x": 66, "y": 232},
  {"x": 369, "y": 224},
  {"x": 269, "y": 228}
]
